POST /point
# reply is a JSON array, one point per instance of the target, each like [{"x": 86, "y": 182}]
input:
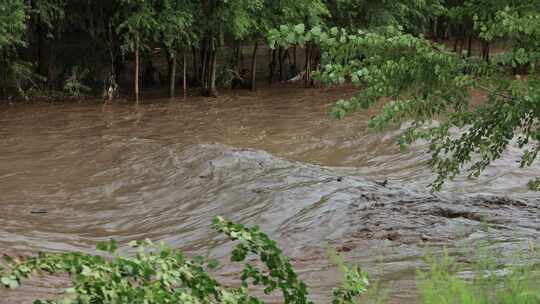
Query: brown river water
[{"x": 162, "y": 170}]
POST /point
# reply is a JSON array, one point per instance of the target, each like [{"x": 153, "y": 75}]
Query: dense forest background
[{"x": 71, "y": 48}]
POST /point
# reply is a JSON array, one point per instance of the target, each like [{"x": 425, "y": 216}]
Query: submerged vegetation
[{"x": 160, "y": 274}]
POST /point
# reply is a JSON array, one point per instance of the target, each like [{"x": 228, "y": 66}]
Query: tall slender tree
[
  {"x": 138, "y": 25},
  {"x": 176, "y": 35}
]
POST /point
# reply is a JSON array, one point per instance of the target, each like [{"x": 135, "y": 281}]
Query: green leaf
[
  {"x": 316, "y": 31},
  {"x": 10, "y": 282},
  {"x": 300, "y": 28},
  {"x": 291, "y": 38}
]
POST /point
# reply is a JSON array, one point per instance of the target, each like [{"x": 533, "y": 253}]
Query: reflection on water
[{"x": 130, "y": 172}]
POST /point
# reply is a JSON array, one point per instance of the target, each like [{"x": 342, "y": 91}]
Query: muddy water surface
[{"x": 162, "y": 170}]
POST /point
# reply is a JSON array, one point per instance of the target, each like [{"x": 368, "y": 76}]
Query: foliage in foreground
[
  {"x": 446, "y": 282},
  {"x": 167, "y": 276}
]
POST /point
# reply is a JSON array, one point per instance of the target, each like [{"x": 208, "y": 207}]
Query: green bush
[{"x": 24, "y": 80}]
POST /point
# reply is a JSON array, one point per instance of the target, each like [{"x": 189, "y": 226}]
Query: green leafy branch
[
  {"x": 423, "y": 81},
  {"x": 165, "y": 275}
]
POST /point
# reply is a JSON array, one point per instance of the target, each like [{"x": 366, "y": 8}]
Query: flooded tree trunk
[
  {"x": 51, "y": 72},
  {"x": 41, "y": 51},
  {"x": 172, "y": 74},
  {"x": 204, "y": 64},
  {"x": 272, "y": 66},
  {"x": 195, "y": 64},
  {"x": 295, "y": 65},
  {"x": 314, "y": 59},
  {"x": 185, "y": 75},
  {"x": 287, "y": 56},
  {"x": 306, "y": 67},
  {"x": 3, "y": 68},
  {"x": 111, "y": 49},
  {"x": 254, "y": 65},
  {"x": 212, "y": 89},
  {"x": 241, "y": 57},
  {"x": 136, "y": 70},
  {"x": 280, "y": 54},
  {"x": 235, "y": 60}
]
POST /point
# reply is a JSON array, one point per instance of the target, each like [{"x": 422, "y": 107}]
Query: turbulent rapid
[{"x": 75, "y": 174}]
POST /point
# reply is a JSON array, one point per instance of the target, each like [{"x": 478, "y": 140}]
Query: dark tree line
[{"x": 75, "y": 47}]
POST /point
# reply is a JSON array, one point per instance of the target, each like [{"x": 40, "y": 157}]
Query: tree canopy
[{"x": 12, "y": 23}]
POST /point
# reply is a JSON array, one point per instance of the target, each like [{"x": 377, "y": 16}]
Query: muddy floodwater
[{"x": 74, "y": 174}]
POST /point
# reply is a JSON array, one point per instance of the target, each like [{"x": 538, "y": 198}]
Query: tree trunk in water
[
  {"x": 314, "y": 57},
  {"x": 213, "y": 91},
  {"x": 172, "y": 75},
  {"x": 3, "y": 82},
  {"x": 204, "y": 63},
  {"x": 136, "y": 75},
  {"x": 111, "y": 49},
  {"x": 236, "y": 56},
  {"x": 52, "y": 73},
  {"x": 306, "y": 67},
  {"x": 195, "y": 65},
  {"x": 185, "y": 76},
  {"x": 254, "y": 65},
  {"x": 41, "y": 52},
  {"x": 241, "y": 57},
  {"x": 280, "y": 54},
  {"x": 295, "y": 65},
  {"x": 272, "y": 65}
]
